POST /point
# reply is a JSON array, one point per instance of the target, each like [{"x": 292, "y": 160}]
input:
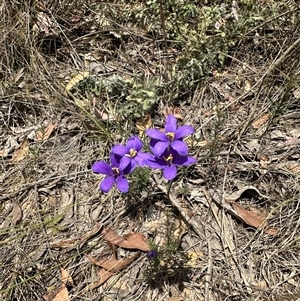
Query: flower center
[
  {"x": 168, "y": 159},
  {"x": 115, "y": 171},
  {"x": 170, "y": 136},
  {"x": 132, "y": 153}
]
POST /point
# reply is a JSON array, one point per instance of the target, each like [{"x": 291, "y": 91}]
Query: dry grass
[{"x": 246, "y": 120}]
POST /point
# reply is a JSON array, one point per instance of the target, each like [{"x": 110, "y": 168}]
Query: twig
[
  {"x": 186, "y": 218},
  {"x": 163, "y": 25},
  {"x": 209, "y": 273}
]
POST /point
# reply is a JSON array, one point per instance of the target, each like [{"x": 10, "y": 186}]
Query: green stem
[{"x": 169, "y": 189}]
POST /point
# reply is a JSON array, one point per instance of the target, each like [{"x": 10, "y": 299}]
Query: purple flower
[
  {"x": 130, "y": 153},
  {"x": 169, "y": 161},
  {"x": 172, "y": 136},
  {"x": 114, "y": 174},
  {"x": 151, "y": 254}
]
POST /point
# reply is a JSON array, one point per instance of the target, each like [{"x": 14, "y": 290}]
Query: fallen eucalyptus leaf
[
  {"x": 44, "y": 134},
  {"x": 109, "y": 268},
  {"x": 21, "y": 153},
  {"x": 128, "y": 241},
  {"x": 261, "y": 121},
  {"x": 65, "y": 276},
  {"x": 252, "y": 218}
]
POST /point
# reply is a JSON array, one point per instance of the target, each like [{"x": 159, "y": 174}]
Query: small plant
[
  {"x": 169, "y": 152},
  {"x": 132, "y": 96},
  {"x": 164, "y": 261}
]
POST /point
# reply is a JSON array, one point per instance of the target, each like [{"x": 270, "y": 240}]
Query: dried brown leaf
[
  {"x": 173, "y": 111},
  {"x": 40, "y": 6},
  {"x": 297, "y": 93},
  {"x": 3, "y": 153},
  {"x": 261, "y": 121},
  {"x": 144, "y": 124},
  {"x": 261, "y": 285},
  {"x": 252, "y": 218},
  {"x": 109, "y": 268},
  {"x": 114, "y": 265},
  {"x": 247, "y": 86},
  {"x": 21, "y": 153},
  {"x": 62, "y": 294},
  {"x": 44, "y": 134},
  {"x": 16, "y": 213},
  {"x": 251, "y": 190},
  {"x": 129, "y": 241},
  {"x": 104, "y": 276},
  {"x": 264, "y": 161},
  {"x": 65, "y": 276},
  {"x": 65, "y": 243}
]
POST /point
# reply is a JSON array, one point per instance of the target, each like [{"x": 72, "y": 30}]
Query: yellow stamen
[
  {"x": 116, "y": 170},
  {"x": 170, "y": 136},
  {"x": 132, "y": 153},
  {"x": 168, "y": 159}
]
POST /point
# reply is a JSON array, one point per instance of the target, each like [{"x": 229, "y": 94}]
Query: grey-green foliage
[
  {"x": 132, "y": 97},
  {"x": 203, "y": 32},
  {"x": 141, "y": 99}
]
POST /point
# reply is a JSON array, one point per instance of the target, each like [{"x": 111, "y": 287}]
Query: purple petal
[
  {"x": 151, "y": 254},
  {"x": 184, "y": 161},
  {"x": 102, "y": 167},
  {"x": 183, "y": 131},
  {"x": 180, "y": 146},
  {"x": 122, "y": 184},
  {"x": 115, "y": 159},
  {"x": 142, "y": 158},
  {"x": 134, "y": 143},
  {"x": 190, "y": 160},
  {"x": 179, "y": 160},
  {"x": 129, "y": 168},
  {"x": 170, "y": 172},
  {"x": 169, "y": 151},
  {"x": 157, "y": 163},
  {"x": 107, "y": 184},
  {"x": 160, "y": 148},
  {"x": 156, "y": 134},
  {"x": 120, "y": 150},
  {"x": 153, "y": 143},
  {"x": 125, "y": 161},
  {"x": 171, "y": 124}
]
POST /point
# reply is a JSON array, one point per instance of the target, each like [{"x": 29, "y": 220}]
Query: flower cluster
[{"x": 168, "y": 152}]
